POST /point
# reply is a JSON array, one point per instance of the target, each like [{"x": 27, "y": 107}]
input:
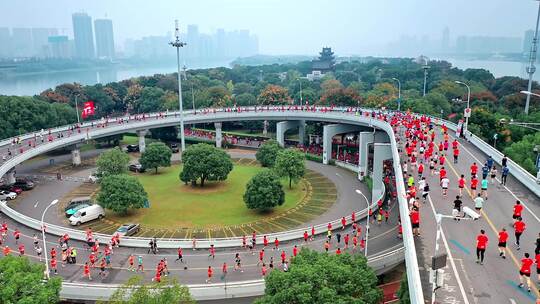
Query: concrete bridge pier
[
  {"x": 76, "y": 155},
  {"x": 10, "y": 177},
  {"x": 366, "y": 139},
  {"x": 219, "y": 134},
  {"x": 284, "y": 126},
  {"x": 381, "y": 152},
  {"x": 142, "y": 140},
  {"x": 329, "y": 131}
]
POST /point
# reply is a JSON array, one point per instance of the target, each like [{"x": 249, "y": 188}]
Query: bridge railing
[{"x": 200, "y": 292}]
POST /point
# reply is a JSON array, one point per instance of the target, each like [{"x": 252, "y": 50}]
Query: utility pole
[
  {"x": 425, "y": 67},
  {"x": 178, "y": 44},
  {"x": 532, "y": 59}
]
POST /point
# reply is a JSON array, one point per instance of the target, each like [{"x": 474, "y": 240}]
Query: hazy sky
[{"x": 289, "y": 26}]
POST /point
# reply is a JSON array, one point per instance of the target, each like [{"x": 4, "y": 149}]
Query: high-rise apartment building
[
  {"x": 104, "y": 38},
  {"x": 21, "y": 42},
  {"x": 83, "y": 35},
  {"x": 5, "y": 42}
]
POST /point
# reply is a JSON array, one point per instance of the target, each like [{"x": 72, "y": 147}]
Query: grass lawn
[{"x": 175, "y": 205}]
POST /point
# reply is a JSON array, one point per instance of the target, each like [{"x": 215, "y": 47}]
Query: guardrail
[{"x": 200, "y": 292}]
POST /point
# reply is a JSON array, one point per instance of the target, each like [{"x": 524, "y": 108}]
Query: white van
[{"x": 87, "y": 214}]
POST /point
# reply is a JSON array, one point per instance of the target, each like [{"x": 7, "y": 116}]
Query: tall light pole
[
  {"x": 425, "y": 67},
  {"x": 399, "y": 93},
  {"x": 301, "y": 99},
  {"x": 468, "y": 105},
  {"x": 47, "y": 274},
  {"x": 77, "y": 109},
  {"x": 532, "y": 59},
  {"x": 178, "y": 44},
  {"x": 367, "y": 223}
]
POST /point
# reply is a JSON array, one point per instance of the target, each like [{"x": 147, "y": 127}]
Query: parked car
[
  {"x": 93, "y": 178},
  {"x": 87, "y": 214},
  {"x": 11, "y": 188},
  {"x": 75, "y": 208},
  {"x": 7, "y": 195},
  {"x": 24, "y": 184},
  {"x": 128, "y": 229},
  {"x": 174, "y": 148},
  {"x": 138, "y": 168},
  {"x": 132, "y": 148},
  {"x": 78, "y": 201}
]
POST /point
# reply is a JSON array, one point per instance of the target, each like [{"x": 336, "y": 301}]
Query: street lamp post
[
  {"x": 532, "y": 59},
  {"x": 399, "y": 93},
  {"x": 301, "y": 99},
  {"x": 367, "y": 223},
  {"x": 425, "y": 67},
  {"x": 178, "y": 44},
  {"x": 468, "y": 105},
  {"x": 47, "y": 275},
  {"x": 77, "y": 109}
]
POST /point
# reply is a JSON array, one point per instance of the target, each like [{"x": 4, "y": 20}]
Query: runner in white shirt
[{"x": 444, "y": 184}]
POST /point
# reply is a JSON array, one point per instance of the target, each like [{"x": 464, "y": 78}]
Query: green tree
[
  {"x": 403, "y": 292},
  {"x": 245, "y": 99},
  {"x": 22, "y": 282},
  {"x": 290, "y": 163},
  {"x": 522, "y": 152},
  {"x": 149, "y": 100},
  {"x": 112, "y": 162},
  {"x": 121, "y": 192},
  {"x": 267, "y": 153},
  {"x": 322, "y": 278},
  {"x": 264, "y": 191},
  {"x": 205, "y": 162},
  {"x": 156, "y": 155},
  {"x": 135, "y": 292}
]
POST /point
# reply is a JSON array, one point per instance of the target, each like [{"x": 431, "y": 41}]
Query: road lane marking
[
  {"x": 460, "y": 246},
  {"x": 492, "y": 226},
  {"x": 510, "y": 191},
  {"x": 452, "y": 263}
]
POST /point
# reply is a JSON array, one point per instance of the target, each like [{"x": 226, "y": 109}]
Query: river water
[{"x": 32, "y": 84}]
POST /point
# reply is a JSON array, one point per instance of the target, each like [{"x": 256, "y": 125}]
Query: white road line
[
  {"x": 512, "y": 193},
  {"x": 452, "y": 263}
]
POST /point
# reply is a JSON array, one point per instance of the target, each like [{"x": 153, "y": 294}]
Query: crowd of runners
[
  {"x": 427, "y": 150},
  {"x": 424, "y": 148}
]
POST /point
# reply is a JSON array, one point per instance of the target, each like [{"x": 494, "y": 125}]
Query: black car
[
  {"x": 132, "y": 148},
  {"x": 174, "y": 148},
  {"x": 138, "y": 168},
  {"x": 24, "y": 184}
]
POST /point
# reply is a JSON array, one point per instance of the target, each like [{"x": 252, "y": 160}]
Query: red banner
[{"x": 88, "y": 109}]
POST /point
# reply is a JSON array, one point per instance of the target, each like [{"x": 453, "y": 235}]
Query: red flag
[
  {"x": 452, "y": 115},
  {"x": 88, "y": 109}
]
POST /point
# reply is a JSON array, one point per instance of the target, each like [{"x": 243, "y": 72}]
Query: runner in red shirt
[
  {"x": 265, "y": 241},
  {"x": 306, "y": 236},
  {"x": 295, "y": 251},
  {"x": 519, "y": 227},
  {"x": 312, "y": 232},
  {"x": 537, "y": 258},
  {"x": 338, "y": 251},
  {"x": 283, "y": 256},
  {"x": 276, "y": 244},
  {"x": 53, "y": 266},
  {"x": 474, "y": 185},
  {"x": 415, "y": 221},
  {"x": 261, "y": 256},
  {"x": 442, "y": 173},
  {"x": 461, "y": 184},
  {"x": 456, "y": 155},
  {"x": 353, "y": 217},
  {"x": 518, "y": 208},
  {"x": 21, "y": 249},
  {"x": 481, "y": 244},
  {"x": 210, "y": 274},
  {"x": 474, "y": 169},
  {"x": 525, "y": 271},
  {"x": 503, "y": 238},
  {"x": 86, "y": 271},
  {"x": 343, "y": 223}
]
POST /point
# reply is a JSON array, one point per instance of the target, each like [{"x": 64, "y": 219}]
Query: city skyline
[{"x": 351, "y": 27}]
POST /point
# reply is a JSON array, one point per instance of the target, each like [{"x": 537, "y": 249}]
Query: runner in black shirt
[{"x": 457, "y": 206}]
